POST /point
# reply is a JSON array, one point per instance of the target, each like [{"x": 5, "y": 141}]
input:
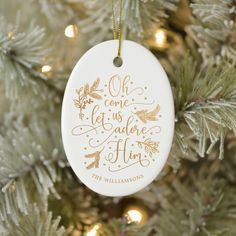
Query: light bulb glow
[
  {"x": 161, "y": 38},
  {"x": 11, "y": 35},
  {"x": 46, "y": 68},
  {"x": 93, "y": 231},
  {"x": 134, "y": 215},
  {"x": 71, "y": 31}
]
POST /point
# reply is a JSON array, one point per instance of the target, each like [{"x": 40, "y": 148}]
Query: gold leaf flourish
[
  {"x": 145, "y": 115},
  {"x": 85, "y": 95},
  {"x": 97, "y": 156},
  {"x": 149, "y": 146}
]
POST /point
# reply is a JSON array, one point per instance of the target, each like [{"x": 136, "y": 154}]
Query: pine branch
[
  {"x": 196, "y": 203},
  {"x": 137, "y": 16},
  {"x": 20, "y": 55},
  {"x": 53, "y": 10},
  {"x": 205, "y": 102},
  {"x": 78, "y": 206},
  {"x": 122, "y": 228},
  {"x": 213, "y": 29},
  {"x": 203, "y": 206},
  {"x": 227, "y": 169},
  {"x": 29, "y": 156},
  {"x": 35, "y": 74},
  {"x": 38, "y": 221}
]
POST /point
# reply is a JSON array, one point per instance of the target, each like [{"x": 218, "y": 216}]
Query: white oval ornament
[{"x": 117, "y": 122}]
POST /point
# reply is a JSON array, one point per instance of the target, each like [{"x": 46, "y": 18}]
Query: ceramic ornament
[{"x": 117, "y": 122}]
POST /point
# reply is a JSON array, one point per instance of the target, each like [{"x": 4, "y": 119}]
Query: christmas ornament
[{"x": 117, "y": 118}]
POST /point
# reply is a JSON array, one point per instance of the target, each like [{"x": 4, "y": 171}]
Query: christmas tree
[{"x": 40, "y": 42}]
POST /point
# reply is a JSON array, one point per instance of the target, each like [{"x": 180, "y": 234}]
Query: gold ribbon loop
[{"x": 117, "y": 34}]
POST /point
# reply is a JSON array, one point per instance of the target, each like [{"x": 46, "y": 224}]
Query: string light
[
  {"x": 164, "y": 39},
  {"x": 11, "y": 35},
  {"x": 135, "y": 214},
  {"x": 46, "y": 68},
  {"x": 94, "y": 230},
  {"x": 160, "y": 38},
  {"x": 71, "y": 31}
]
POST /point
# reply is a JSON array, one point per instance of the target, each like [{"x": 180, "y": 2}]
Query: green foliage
[
  {"x": 202, "y": 205},
  {"x": 137, "y": 15},
  {"x": 228, "y": 167},
  {"x": 77, "y": 205},
  {"x": 205, "y": 102},
  {"x": 19, "y": 51},
  {"x": 38, "y": 221},
  {"x": 213, "y": 29},
  {"x": 121, "y": 227},
  {"x": 30, "y": 155}
]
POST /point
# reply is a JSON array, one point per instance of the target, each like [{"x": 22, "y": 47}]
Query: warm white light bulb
[
  {"x": 11, "y": 35},
  {"x": 71, "y": 31},
  {"x": 93, "y": 231},
  {"x": 46, "y": 68},
  {"x": 134, "y": 216},
  {"x": 160, "y": 37}
]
